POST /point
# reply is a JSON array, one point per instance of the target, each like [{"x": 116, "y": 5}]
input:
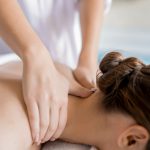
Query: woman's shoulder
[
  {"x": 11, "y": 70},
  {"x": 10, "y": 79}
]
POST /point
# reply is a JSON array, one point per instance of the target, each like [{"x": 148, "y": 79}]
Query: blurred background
[{"x": 127, "y": 28}]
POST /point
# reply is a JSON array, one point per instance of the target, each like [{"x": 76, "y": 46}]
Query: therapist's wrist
[
  {"x": 88, "y": 57},
  {"x": 37, "y": 55}
]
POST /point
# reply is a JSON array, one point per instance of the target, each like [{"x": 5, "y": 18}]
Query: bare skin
[
  {"x": 87, "y": 123},
  {"x": 91, "y": 18},
  {"x": 17, "y": 32}
]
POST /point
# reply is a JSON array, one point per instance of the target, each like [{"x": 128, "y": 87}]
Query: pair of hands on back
[{"x": 46, "y": 95}]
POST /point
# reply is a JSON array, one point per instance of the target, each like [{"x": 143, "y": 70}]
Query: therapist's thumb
[{"x": 81, "y": 91}]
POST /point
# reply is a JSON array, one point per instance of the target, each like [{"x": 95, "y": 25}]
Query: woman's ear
[{"x": 135, "y": 137}]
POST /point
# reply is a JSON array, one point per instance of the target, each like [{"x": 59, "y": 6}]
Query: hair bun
[
  {"x": 117, "y": 70},
  {"x": 110, "y": 61},
  {"x": 146, "y": 70}
]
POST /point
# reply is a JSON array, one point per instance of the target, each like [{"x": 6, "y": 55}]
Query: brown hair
[{"x": 126, "y": 85}]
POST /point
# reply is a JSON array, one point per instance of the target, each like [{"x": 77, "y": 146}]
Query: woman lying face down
[{"x": 115, "y": 117}]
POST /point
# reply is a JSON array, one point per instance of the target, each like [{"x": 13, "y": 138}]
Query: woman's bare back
[{"x": 14, "y": 127}]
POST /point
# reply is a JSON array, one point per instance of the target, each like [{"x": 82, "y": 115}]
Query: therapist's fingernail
[
  {"x": 93, "y": 89},
  {"x": 53, "y": 139},
  {"x": 42, "y": 141}
]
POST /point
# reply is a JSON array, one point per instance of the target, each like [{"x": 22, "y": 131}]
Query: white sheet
[{"x": 5, "y": 58}]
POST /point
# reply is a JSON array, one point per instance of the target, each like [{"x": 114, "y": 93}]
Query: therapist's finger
[
  {"x": 62, "y": 122},
  {"x": 87, "y": 82},
  {"x": 54, "y": 118},
  {"x": 84, "y": 79},
  {"x": 44, "y": 118},
  {"x": 79, "y": 90},
  {"x": 33, "y": 114}
]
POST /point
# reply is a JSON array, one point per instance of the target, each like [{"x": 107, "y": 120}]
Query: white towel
[{"x": 8, "y": 58}]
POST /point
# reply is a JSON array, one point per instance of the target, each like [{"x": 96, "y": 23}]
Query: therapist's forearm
[
  {"x": 91, "y": 18},
  {"x": 17, "y": 32}
]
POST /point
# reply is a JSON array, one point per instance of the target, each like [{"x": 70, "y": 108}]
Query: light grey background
[{"x": 127, "y": 27}]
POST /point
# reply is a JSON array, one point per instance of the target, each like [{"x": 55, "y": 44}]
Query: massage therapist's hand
[
  {"x": 75, "y": 88},
  {"x": 86, "y": 76},
  {"x": 46, "y": 97}
]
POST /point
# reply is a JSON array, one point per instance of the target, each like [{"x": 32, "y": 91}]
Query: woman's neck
[{"x": 85, "y": 120}]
